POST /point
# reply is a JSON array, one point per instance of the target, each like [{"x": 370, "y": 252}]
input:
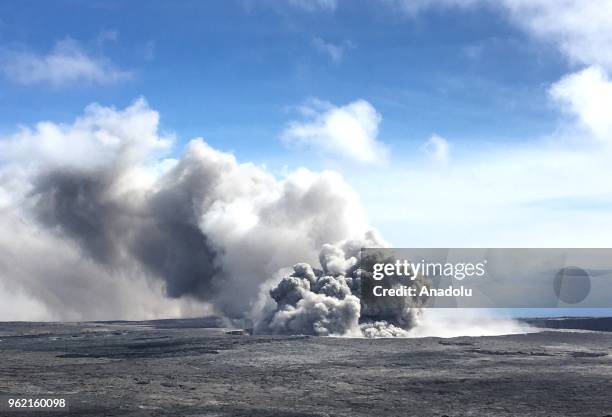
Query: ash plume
[
  {"x": 327, "y": 301},
  {"x": 99, "y": 222}
]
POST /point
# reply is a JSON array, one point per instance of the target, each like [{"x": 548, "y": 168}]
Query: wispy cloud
[
  {"x": 437, "y": 148},
  {"x": 523, "y": 193},
  {"x": 348, "y": 131},
  {"x": 66, "y": 63},
  {"x": 335, "y": 52},
  {"x": 314, "y": 5},
  {"x": 107, "y": 35},
  {"x": 148, "y": 50},
  {"x": 581, "y": 30}
]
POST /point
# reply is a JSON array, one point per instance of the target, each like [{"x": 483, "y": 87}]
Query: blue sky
[
  {"x": 492, "y": 81},
  {"x": 230, "y": 70},
  {"x": 439, "y": 123}
]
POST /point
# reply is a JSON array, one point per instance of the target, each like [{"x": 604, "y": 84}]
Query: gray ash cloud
[
  {"x": 327, "y": 301},
  {"x": 161, "y": 232},
  {"x": 99, "y": 223}
]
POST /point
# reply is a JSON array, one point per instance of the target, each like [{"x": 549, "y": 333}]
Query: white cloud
[
  {"x": 335, "y": 52},
  {"x": 473, "y": 51},
  {"x": 587, "y": 96},
  {"x": 313, "y": 5},
  {"x": 438, "y": 149},
  {"x": 543, "y": 194},
  {"x": 94, "y": 139},
  {"x": 581, "y": 30},
  {"x": 107, "y": 35},
  {"x": 68, "y": 62},
  {"x": 413, "y": 7},
  {"x": 548, "y": 192},
  {"x": 348, "y": 131}
]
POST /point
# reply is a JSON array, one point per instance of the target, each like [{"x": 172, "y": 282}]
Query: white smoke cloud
[
  {"x": 66, "y": 63},
  {"x": 113, "y": 229},
  {"x": 455, "y": 322},
  {"x": 348, "y": 131},
  {"x": 98, "y": 222}
]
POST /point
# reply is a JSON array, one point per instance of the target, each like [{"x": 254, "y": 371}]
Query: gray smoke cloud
[
  {"x": 99, "y": 222},
  {"x": 161, "y": 233},
  {"x": 327, "y": 301}
]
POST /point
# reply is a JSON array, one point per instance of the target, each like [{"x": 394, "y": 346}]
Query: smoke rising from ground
[
  {"x": 99, "y": 223},
  {"x": 326, "y": 301}
]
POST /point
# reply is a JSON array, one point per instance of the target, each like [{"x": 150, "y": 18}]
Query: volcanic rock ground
[{"x": 185, "y": 368}]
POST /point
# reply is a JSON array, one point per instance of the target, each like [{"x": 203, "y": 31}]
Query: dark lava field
[{"x": 190, "y": 368}]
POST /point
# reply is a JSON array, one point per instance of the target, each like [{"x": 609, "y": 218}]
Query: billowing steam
[
  {"x": 97, "y": 224},
  {"x": 327, "y": 301}
]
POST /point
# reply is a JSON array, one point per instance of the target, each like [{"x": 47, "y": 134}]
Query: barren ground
[{"x": 182, "y": 368}]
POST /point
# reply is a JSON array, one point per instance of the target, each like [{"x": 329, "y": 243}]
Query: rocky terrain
[{"x": 190, "y": 368}]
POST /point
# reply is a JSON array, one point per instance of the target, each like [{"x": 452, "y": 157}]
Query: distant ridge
[{"x": 601, "y": 324}]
